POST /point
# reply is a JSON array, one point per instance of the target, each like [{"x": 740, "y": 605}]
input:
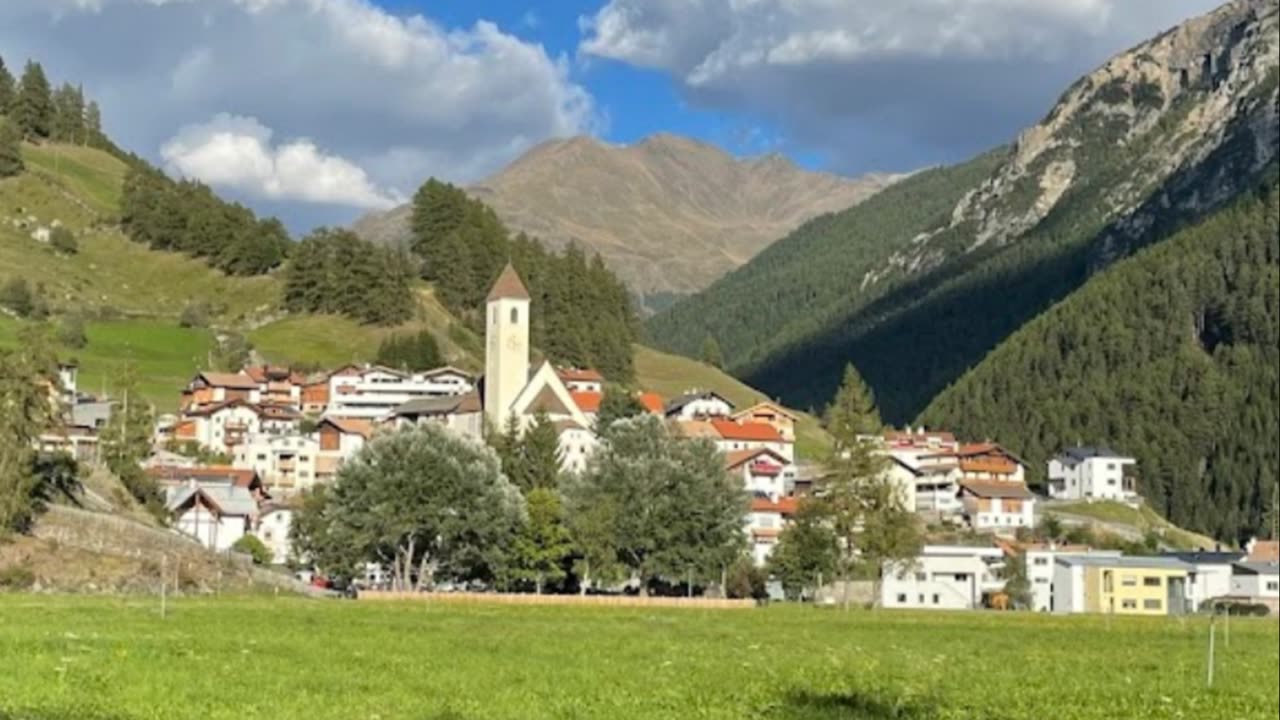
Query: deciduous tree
[
  {"x": 544, "y": 546},
  {"x": 807, "y": 553}
]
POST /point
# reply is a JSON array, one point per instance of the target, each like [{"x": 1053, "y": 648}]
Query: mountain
[
  {"x": 668, "y": 214},
  {"x": 1172, "y": 355},
  {"x": 915, "y": 288}
]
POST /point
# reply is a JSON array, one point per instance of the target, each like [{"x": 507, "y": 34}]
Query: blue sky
[{"x": 321, "y": 110}]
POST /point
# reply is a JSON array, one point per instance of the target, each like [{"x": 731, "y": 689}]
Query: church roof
[{"x": 508, "y": 287}]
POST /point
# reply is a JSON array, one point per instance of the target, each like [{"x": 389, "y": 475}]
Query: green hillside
[{"x": 1172, "y": 356}]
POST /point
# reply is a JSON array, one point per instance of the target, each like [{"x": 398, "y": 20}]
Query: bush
[
  {"x": 17, "y": 577},
  {"x": 71, "y": 332},
  {"x": 194, "y": 315},
  {"x": 253, "y": 547},
  {"x": 18, "y": 297},
  {"x": 64, "y": 241}
]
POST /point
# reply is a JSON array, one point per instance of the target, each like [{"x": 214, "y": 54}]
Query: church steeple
[{"x": 506, "y": 357}]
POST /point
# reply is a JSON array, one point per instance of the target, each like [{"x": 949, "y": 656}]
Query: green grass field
[
  {"x": 110, "y": 659},
  {"x": 92, "y": 175}
]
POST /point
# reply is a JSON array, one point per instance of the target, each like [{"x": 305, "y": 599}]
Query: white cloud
[
  {"x": 877, "y": 80},
  {"x": 398, "y": 97},
  {"x": 236, "y": 152}
]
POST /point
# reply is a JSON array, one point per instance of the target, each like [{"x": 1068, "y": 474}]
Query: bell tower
[{"x": 506, "y": 354}]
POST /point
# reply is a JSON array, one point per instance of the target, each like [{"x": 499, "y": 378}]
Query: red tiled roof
[
  {"x": 758, "y": 432},
  {"x": 738, "y": 458},
  {"x": 579, "y": 375},
  {"x": 997, "y": 489},
  {"x": 233, "y": 381},
  {"x": 587, "y": 402},
  {"x": 509, "y": 286},
  {"x": 351, "y": 426},
  {"x": 652, "y": 402},
  {"x": 784, "y": 506},
  {"x": 239, "y": 477}
]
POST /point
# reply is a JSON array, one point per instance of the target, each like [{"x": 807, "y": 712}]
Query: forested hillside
[
  {"x": 1158, "y": 137},
  {"x": 1172, "y": 356},
  {"x": 814, "y": 276}
]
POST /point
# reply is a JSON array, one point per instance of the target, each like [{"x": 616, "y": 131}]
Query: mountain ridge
[{"x": 669, "y": 213}]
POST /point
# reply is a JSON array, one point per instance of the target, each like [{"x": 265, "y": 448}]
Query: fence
[{"x": 559, "y": 600}]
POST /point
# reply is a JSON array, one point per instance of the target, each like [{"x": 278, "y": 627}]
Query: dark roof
[
  {"x": 1206, "y": 558},
  {"x": 1080, "y": 454},
  {"x": 679, "y": 402},
  {"x": 430, "y": 406},
  {"x": 997, "y": 489},
  {"x": 1257, "y": 568},
  {"x": 508, "y": 287}
]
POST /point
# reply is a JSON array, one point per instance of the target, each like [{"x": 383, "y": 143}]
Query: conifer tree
[
  {"x": 8, "y": 89},
  {"x": 544, "y": 546},
  {"x": 541, "y": 449},
  {"x": 853, "y": 411},
  {"x": 26, "y": 372},
  {"x": 11, "y": 162},
  {"x": 711, "y": 354},
  {"x": 34, "y": 111}
]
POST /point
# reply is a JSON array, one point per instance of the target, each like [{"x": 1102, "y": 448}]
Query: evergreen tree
[
  {"x": 618, "y": 403},
  {"x": 8, "y": 90},
  {"x": 26, "y": 373},
  {"x": 93, "y": 122},
  {"x": 11, "y": 162},
  {"x": 541, "y": 449},
  {"x": 34, "y": 111},
  {"x": 543, "y": 547},
  {"x": 1017, "y": 585},
  {"x": 711, "y": 354},
  {"x": 68, "y": 114},
  {"x": 853, "y": 412}
]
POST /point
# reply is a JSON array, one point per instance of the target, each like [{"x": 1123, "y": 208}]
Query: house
[
  {"x": 577, "y": 443},
  {"x": 215, "y": 515},
  {"x": 1264, "y": 551},
  {"x": 937, "y": 490},
  {"x": 698, "y": 405},
  {"x": 93, "y": 414},
  {"x": 986, "y": 462},
  {"x": 68, "y": 383},
  {"x": 212, "y": 389},
  {"x": 1091, "y": 473},
  {"x": 314, "y": 396},
  {"x": 372, "y": 392},
  {"x": 218, "y": 426},
  {"x": 273, "y": 526},
  {"x": 80, "y": 443},
  {"x": 943, "y": 577},
  {"x": 1040, "y": 561},
  {"x": 339, "y": 439},
  {"x": 764, "y": 524},
  {"x": 462, "y": 413},
  {"x": 277, "y": 385},
  {"x": 997, "y": 505},
  {"x": 1121, "y": 585},
  {"x": 588, "y": 401},
  {"x": 652, "y": 402},
  {"x": 772, "y": 414},
  {"x": 580, "y": 380},
  {"x": 1211, "y": 574},
  {"x": 172, "y": 476},
  {"x": 286, "y": 463},
  {"x": 738, "y": 435},
  {"x": 919, "y": 441},
  {"x": 1256, "y": 580}
]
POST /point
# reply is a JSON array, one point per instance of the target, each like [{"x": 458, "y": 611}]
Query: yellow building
[{"x": 1121, "y": 585}]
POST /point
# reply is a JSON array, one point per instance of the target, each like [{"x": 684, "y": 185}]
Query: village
[{"x": 244, "y": 447}]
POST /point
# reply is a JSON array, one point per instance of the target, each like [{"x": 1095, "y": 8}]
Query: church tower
[{"x": 506, "y": 354}]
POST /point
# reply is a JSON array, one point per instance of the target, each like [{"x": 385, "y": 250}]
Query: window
[
  {"x": 1152, "y": 582},
  {"x": 1041, "y": 561},
  {"x": 1273, "y": 586},
  {"x": 1042, "y": 581},
  {"x": 1111, "y": 466},
  {"x": 902, "y": 599},
  {"x": 267, "y": 536},
  {"x": 962, "y": 577},
  {"x": 261, "y": 457},
  {"x": 1129, "y": 581},
  {"x": 921, "y": 577},
  {"x": 515, "y": 316},
  {"x": 937, "y": 600},
  {"x": 1129, "y": 604},
  {"x": 1152, "y": 605}
]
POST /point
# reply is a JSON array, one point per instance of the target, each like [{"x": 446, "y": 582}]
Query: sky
[{"x": 321, "y": 110}]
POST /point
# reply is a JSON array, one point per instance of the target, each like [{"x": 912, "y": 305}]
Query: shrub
[
  {"x": 194, "y": 315},
  {"x": 253, "y": 547},
  {"x": 71, "y": 332},
  {"x": 64, "y": 241},
  {"x": 18, "y": 297},
  {"x": 17, "y": 577}
]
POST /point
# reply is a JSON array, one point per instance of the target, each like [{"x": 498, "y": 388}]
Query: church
[{"x": 511, "y": 388}]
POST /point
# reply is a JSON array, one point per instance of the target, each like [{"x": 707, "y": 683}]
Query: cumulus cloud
[
  {"x": 236, "y": 152},
  {"x": 385, "y": 99},
  {"x": 871, "y": 82}
]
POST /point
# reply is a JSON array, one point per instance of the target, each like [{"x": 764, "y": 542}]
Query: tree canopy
[
  {"x": 334, "y": 271},
  {"x": 662, "y": 505},
  {"x": 416, "y": 352},
  {"x": 27, "y": 373}
]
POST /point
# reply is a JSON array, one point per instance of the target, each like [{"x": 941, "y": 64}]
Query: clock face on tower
[{"x": 513, "y": 342}]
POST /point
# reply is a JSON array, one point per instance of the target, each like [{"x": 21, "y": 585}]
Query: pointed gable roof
[{"x": 508, "y": 287}]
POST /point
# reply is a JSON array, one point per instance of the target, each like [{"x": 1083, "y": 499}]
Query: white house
[
  {"x": 1256, "y": 580},
  {"x": 463, "y": 414},
  {"x": 273, "y": 526},
  {"x": 997, "y": 505},
  {"x": 1041, "y": 560},
  {"x": 764, "y": 477},
  {"x": 698, "y": 405},
  {"x": 581, "y": 380},
  {"x": 577, "y": 444},
  {"x": 371, "y": 392},
  {"x": 943, "y": 577},
  {"x": 764, "y": 524},
  {"x": 286, "y": 463},
  {"x": 1212, "y": 574},
  {"x": 212, "y": 388},
  {"x": 339, "y": 440},
  {"x": 1089, "y": 473},
  {"x": 214, "y": 515},
  {"x": 220, "y": 426}
]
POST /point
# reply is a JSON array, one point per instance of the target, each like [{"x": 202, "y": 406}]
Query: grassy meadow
[{"x": 112, "y": 659}]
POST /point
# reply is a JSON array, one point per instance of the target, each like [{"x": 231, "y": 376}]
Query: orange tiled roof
[
  {"x": 587, "y": 402},
  {"x": 238, "y": 476},
  {"x": 350, "y": 426},
  {"x": 652, "y": 402},
  {"x": 993, "y": 466},
  {"x": 233, "y": 381},
  {"x": 785, "y": 506},
  {"x": 1266, "y": 551},
  {"x": 758, "y": 432}
]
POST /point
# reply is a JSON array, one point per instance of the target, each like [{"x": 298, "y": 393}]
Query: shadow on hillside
[{"x": 855, "y": 705}]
